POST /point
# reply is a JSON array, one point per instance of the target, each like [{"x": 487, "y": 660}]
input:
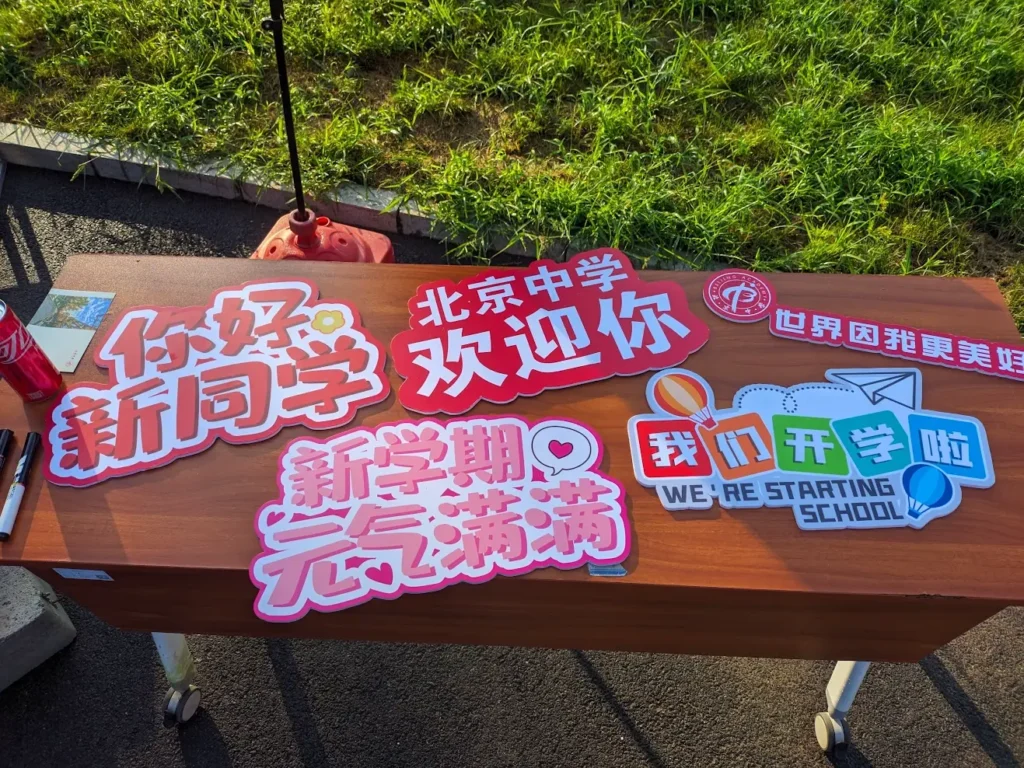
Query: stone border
[{"x": 350, "y": 204}]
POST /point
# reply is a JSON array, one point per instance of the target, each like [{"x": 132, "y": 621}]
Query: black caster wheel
[{"x": 181, "y": 706}]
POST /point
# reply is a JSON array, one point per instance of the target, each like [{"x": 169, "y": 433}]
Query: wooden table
[{"x": 177, "y": 541}]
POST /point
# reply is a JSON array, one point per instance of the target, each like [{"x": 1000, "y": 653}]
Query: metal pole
[{"x": 275, "y": 25}]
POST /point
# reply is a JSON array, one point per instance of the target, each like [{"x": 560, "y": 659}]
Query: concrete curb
[
  {"x": 349, "y": 204},
  {"x": 33, "y": 625}
]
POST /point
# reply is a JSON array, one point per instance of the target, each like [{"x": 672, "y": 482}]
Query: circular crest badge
[{"x": 739, "y": 295}]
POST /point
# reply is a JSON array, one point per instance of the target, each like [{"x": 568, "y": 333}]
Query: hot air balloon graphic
[
  {"x": 927, "y": 488},
  {"x": 683, "y": 394}
]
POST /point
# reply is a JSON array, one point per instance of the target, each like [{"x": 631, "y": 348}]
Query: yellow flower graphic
[{"x": 328, "y": 321}]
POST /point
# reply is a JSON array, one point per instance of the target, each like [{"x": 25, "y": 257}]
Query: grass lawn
[{"x": 824, "y": 135}]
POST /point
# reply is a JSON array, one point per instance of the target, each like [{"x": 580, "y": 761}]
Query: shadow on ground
[
  {"x": 318, "y": 703},
  {"x": 45, "y": 217},
  {"x": 324, "y": 703}
]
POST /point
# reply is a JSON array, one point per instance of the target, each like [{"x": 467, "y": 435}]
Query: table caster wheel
[
  {"x": 832, "y": 734},
  {"x": 181, "y": 706}
]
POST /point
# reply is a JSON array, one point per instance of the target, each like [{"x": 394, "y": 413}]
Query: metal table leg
[
  {"x": 830, "y": 727},
  {"x": 182, "y": 698}
]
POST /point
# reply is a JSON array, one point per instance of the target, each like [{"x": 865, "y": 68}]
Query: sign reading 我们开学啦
[
  {"x": 742, "y": 296},
  {"x": 506, "y": 333},
  {"x": 857, "y": 451},
  {"x": 418, "y": 506},
  {"x": 256, "y": 358}
]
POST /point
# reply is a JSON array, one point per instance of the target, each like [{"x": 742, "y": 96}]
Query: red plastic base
[{"x": 320, "y": 239}]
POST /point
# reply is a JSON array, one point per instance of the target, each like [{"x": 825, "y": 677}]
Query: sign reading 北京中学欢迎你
[{"x": 504, "y": 333}]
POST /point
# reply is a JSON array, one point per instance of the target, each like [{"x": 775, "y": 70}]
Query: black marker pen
[
  {"x": 5, "y": 443},
  {"x": 13, "y": 503}
]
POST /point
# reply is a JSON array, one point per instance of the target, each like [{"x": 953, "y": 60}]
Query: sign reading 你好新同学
[
  {"x": 254, "y": 359},
  {"x": 507, "y": 333},
  {"x": 417, "y": 506},
  {"x": 857, "y": 451}
]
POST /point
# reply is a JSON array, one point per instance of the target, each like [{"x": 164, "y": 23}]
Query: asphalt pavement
[{"x": 319, "y": 703}]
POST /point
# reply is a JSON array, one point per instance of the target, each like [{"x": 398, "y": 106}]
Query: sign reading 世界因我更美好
[
  {"x": 742, "y": 296},
  {"x": 256, "y": 358},
  {"x": 418, "y": 506},
  {"x": 857, "y": 451},
  {"x": 506, "y": 333}
]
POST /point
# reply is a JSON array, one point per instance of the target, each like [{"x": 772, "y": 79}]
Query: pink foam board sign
[
  {"x": 256, "y": 358},
  {"x": 507, "y": 333},
  {"x": 745, "y": 297},
  {"x": 415, "y": 506},
  {"x": 856, "y": 451}
]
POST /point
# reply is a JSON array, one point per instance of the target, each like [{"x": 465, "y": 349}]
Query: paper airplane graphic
[{"x": 897, "y": 385}]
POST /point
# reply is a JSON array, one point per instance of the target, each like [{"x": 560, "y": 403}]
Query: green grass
[{"x": 822, "y": 135}]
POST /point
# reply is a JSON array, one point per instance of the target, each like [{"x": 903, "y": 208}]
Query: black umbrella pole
[{"x": 275, "y": 25}]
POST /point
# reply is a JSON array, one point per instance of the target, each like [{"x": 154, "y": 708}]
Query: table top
[{"x": 191, "y": 515}]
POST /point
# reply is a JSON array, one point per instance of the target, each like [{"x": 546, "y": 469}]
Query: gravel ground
[{"x": 319, "y": 703}]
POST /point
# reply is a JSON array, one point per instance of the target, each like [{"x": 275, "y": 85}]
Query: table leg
[
  {"x": 182, "y": 698},
  {"x": 830, "y": 727}
]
